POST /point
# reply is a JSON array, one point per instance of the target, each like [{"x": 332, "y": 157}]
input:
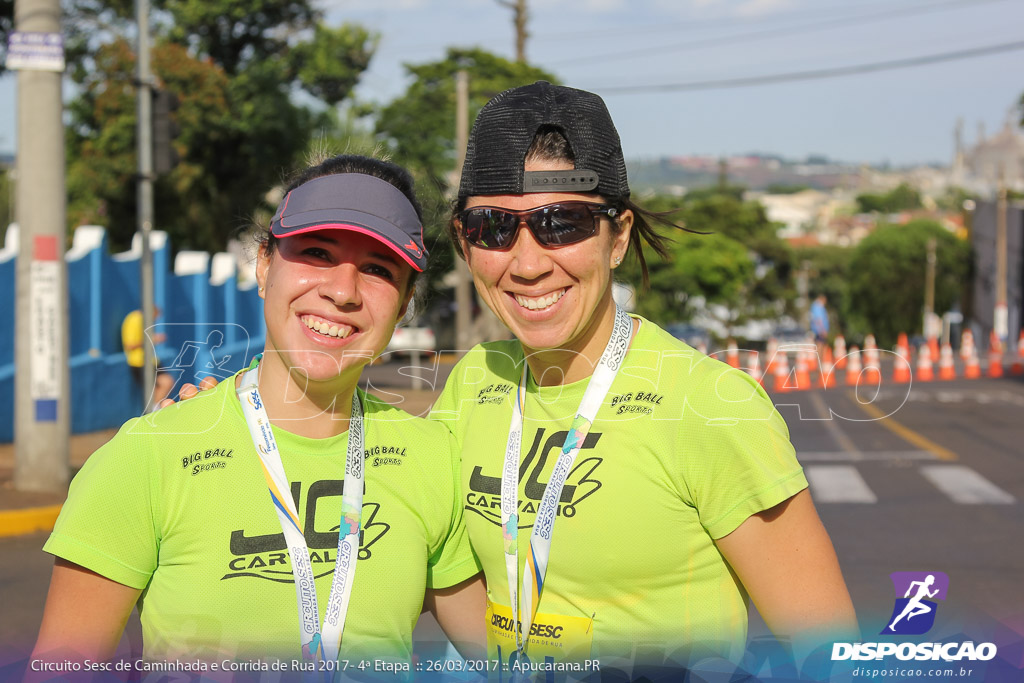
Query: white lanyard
[
  {"x": 536, "y": 566},
  {"x": 315, "y": 645}
]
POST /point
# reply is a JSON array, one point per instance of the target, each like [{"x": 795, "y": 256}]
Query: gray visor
[{"x": 358, "y": 202}]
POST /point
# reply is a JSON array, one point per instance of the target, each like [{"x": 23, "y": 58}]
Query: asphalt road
[{"x": 928, "y": 477}]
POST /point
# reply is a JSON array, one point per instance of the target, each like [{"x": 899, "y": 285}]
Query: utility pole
[
  {"x": 42, "y": 407},
  {"x": 929, "y": 289},
  {"x": 1000, "y": 318},
  {"x": 463, "y": 293},
  {"x": 520, "y": 17},
  {"x": 144, "y": 135},
  {"x": 803, "y": 290}
]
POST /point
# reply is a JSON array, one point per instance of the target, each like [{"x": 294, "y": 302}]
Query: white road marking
[
  {"x": 838, "y": 484},
  {"x": 965, "y": 486},
  {"x": 860, "y": 456}
]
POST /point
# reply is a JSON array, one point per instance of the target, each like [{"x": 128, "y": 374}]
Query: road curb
[{"x": 28, "y": 520}]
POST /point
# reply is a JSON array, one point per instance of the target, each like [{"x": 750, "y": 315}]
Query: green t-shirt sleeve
[
  {"x": 452, "y": 561},
  {"x": 737, "y": 459},
  {"x": 107, "y": 523}
]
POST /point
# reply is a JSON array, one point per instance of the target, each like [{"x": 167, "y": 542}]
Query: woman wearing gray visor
[{"x": 243, "y": 523}]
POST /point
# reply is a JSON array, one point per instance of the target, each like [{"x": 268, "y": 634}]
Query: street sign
[{"x": 35, "y": 51}]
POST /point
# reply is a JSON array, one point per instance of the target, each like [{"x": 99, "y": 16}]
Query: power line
[
  {"x": 404, "y": 47},
  {"x": 815, "y": 74},
  {"x": 773, "y": 32},
  {"x": 719, "y": 22}
]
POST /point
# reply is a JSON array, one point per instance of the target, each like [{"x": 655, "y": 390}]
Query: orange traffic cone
[
  {"x": 732, "y": 354},
  {"x": 771, "y": 351},
  {"x": 853, "y": 367},
  {"x": 803, "y": 375},
  {"x": 827, "y": 367},
  {"x": 901, "y": 364},
  {"x": 1018, "y": 361},
  {"x": 972, "y": 369},
  {"x": 933, "y": 347},
  {"x": 946, "y": 368},
  {"x": 872, "y": 366},
  {"x": 840, "y": 352},
  {"x": 812, "y": 359},
  {"x": 781, "y": 373},
  {"x": 754, "y": 367},
  {"x": 995, "y": 355},
  {"x": 966, "y": 344},
  {"x": 925, "y": 371}
]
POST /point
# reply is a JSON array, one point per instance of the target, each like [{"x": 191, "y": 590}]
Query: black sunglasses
[{"x": 552, "y": 225}]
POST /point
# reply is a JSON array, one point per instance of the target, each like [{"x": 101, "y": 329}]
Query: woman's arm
[
  {"x": 785, "y": 560},
  {"x": 85, "y": 615},
  {"x": 460, "y": 611}
]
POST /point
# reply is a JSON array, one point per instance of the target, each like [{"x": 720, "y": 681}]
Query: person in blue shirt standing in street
[{"x": 819, "y": 322}]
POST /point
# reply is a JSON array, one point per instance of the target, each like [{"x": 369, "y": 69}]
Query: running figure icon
[{"x": 915, "y": 606}]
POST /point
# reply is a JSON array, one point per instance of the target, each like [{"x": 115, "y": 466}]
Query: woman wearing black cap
[
  {"x": 174, "y": 513},
  {"x": 624, "y": 494}
]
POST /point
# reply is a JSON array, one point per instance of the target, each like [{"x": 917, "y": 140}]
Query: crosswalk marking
[
  {"x": 834, "y": 483},
  {"x": 838, "y": 484},
  {"x": 964, "y": 485}
]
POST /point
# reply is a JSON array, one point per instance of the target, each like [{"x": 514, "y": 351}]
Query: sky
[{"x": 902, "y": 116}]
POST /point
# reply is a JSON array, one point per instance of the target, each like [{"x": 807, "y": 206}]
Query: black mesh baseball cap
[{"x": 505, "y": 129}]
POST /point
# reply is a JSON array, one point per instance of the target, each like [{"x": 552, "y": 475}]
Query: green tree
[
  {"x": 419, "y": 125},
  {"x": 785, "y": 188},
  {"x": 739, "y": 262},
  {"x": 829, "y": 270},
  {"x": 953, "y": 199},
  {"x": 6, "y": 205},
  {"x": 419, "y": 129},
  {"x": 234, "y": 70},
  {"x": 713, "y": 267},
  {"x": 6, "y": 26},
  {"x": 887, "y": 276},
  {"x": 901, "y": 198},
  {"x": 769, "y": 291}
]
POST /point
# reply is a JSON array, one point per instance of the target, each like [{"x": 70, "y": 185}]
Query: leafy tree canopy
[
  {"x": 828, "y": 268},
  {"x": 783, "y": 188},
  {"x": 233, "y": 68},
  {"x": 6, "y": 26},
  {"x": 887, "y": 276},
  {"x": 419, "y": 125},
  {"x": 900, "y": 198},
  {"x": 739, "y": 262},
  {"x": 713, "y": 267},
  {"x": 419, "y": 129}
]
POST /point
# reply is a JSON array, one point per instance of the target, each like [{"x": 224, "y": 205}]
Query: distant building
[
  {"x": 812, "y": 213},
  {"x": 979, "y": 167}
]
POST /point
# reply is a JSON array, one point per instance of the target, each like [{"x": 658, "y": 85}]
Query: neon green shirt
[
  {"x": 683, "y": 450},
  {"x": 177, "y": 505}
]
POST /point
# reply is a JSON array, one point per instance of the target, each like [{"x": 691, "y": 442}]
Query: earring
[
  {"x": 261, "y": 290},
  {"x": 618, "y": 260}
]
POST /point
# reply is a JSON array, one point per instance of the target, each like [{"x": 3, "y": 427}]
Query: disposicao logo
[{"x": 914, "y": 612}]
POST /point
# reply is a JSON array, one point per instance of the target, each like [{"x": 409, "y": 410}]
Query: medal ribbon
[
  {"x": 524, "y": 606},
  {"x": 316, "y": 645}
]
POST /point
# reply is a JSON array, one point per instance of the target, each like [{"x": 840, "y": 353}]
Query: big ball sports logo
[{"x": 913, "y": 614}]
